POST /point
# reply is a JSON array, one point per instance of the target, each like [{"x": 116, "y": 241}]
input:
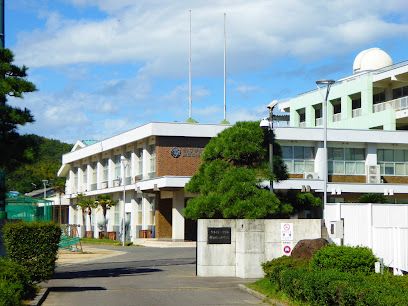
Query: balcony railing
[
  {"x": 396, "y": 104},
  {"x": 319, "y": 121},
  {"x": 302, "y": 124},
  {"x": 337, "y": 117},
  {"x": 128, "y": 180},
  {"x": 357, "y": 112},
  {"x": 93, "y": 186}
]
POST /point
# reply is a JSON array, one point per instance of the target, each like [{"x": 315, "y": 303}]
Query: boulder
[{"x": 305, "y": 249}]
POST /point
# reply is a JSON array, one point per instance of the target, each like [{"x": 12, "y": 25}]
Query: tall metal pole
[
  {"x": 328, "y": 83},
  {"x": 271, "y": 146},
  {"x": 2, "y": 32},
  {"x": 123, "y": 160},
  {"x": 225, "y": 69},
  {"x": 45, "y": 182},
  {"x": 190, "y": 98}
]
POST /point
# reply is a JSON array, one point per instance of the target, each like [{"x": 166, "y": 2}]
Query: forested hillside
[{"x": 40, "y": 160}]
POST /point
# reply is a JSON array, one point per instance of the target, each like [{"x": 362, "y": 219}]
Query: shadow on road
[
  {"x": 112, "y": 272},
  {"x": 75, "y": 289}
]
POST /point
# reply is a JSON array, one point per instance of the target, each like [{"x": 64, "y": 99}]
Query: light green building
[{"x": 374, "y": 97}]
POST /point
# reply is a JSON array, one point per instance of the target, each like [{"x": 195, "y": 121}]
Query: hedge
[
  {"x": 344, "y": 258},
  {"x": 10, "y": 293},
  {"x": 34, "y": 245},
  {"x": 14, "y": 273},
  {"x": 322, "y": 286}
]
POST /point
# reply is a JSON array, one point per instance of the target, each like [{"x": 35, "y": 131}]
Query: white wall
[
  {"x": 252, "y": 243},
  {"x": 381, "y": 227}
]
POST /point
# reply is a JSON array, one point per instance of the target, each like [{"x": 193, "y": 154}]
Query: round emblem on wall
[{"x": 175, "y": 152}]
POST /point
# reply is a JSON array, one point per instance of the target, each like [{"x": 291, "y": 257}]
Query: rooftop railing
[
  {"x": 357, "y": 112},
  {"x": 396, "y": 104}
]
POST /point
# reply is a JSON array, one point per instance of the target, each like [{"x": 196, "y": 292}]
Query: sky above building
[{"x": 106, "y": 66}]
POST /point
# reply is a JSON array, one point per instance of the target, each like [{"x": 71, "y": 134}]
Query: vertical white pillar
[
  {"x": 319, "y": 160},
  {"x": 177, "y": 216},
  {"x": 99, "y": 174},
  {"x": 146, "y": 165},
  {"x": 145, "y": 213},
  {"x": 133, "y": 218}
]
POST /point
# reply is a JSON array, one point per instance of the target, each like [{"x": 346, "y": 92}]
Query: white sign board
[
  {"x": 286, "y": 231},
  {"x": 287, "y": 248}
]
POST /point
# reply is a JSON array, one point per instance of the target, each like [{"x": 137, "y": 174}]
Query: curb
[
  {"x": 40, "y": 298},
  {"x": 260, "y": 296}
]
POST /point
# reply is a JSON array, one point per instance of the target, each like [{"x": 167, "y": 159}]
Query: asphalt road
[{"x": 143, "y": 276}]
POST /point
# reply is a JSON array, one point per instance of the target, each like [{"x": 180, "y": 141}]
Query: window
[
  {"x": 298, "y": 159},
  {"x": 139, "y": 156},
  {"x": 346, "y": 161},
  {"x": 94, "y": 171},
  {"x": 379, "y": 98},
  {"x": 75, "y": 179},
  {"x": 128, "y": 156},
  {"x": 105, "y": 165},
  {"x": 116, "y": 160},
  {"x": 152, "y": 161},
  {"x": 400, "y": 92},
  {"x": 84, "y": 175},
  {"x": 393, "y": 162},
  {"x": 139, "y": 210}
]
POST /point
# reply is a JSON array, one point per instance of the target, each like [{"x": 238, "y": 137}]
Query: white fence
[{"x": 382, "y": 227}]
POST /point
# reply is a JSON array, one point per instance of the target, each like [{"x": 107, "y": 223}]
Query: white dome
[{"x": 371, "y": 59}]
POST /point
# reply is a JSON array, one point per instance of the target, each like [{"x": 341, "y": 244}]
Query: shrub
[
  {"x": 332, "y": 287},
  {"x": 34, "y": 245},
  {"x": 344, "y": 258},
  {"x": 10, "y": 293},
  {"x": 372, "y": 198},
  {"x": 15, "y": 273},
  {"x": 273, "y": 268}
]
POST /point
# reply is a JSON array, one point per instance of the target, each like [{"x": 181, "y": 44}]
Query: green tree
[
  {"x": 228, "y": 182},
  {"x": 13, "y": 83},
  {"x": 87, "y": 204},
  {"x": 105, "y": 201}
]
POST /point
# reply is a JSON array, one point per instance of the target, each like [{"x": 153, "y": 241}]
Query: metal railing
[
  {"x": 396, "y": 104},
  {"x": 302, "y": 124},
  {"x": 94, "y": 186},
  {"x": 357, "y": 112},
  {"x": 337, "y": 117},
  {"x": 319, "y": 121}
]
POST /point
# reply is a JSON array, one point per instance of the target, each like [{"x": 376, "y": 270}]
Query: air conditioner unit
[
  {"x": 373, "y": 174},
  {"x": 311, "y": 176},
  {"x": 116, "y": 183},
  {"x": 104, "y": 185}
]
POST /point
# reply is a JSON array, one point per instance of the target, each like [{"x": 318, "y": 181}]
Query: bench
[{"x": 69, "y": 238}]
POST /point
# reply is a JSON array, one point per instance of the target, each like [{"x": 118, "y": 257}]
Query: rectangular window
[
  {"x": 94, "y": 171},
  {"x": 84, "y": 175},
  {"x": 139, "y": 156},
  {"x": 128, "y": 169},
  {"x": 139, "y": 211},
  {"x": 346, "y": 161},
  {"x": 105, "y": 166},
  {"x": 152, "y": 162},
  {"x": 393, "y": 162},
  {"x": 298, "y": 159},
  {"x": 117, "y": 161}
]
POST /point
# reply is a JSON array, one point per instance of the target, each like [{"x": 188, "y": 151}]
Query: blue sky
[{"x": 106, "y": 66}]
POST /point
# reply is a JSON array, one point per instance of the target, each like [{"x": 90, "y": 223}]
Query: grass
[
  {"x": 271, "y": 291},
  {"x": 99, "y": 241},
  {"x": 104, "y": 241}
]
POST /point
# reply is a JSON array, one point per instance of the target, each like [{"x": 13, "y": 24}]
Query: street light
[
  {"x": 328, "y": 84},
  {"x": 124, "y": 164},
  {"x": 267, "y": 123},
  {"x": 45, "y": 182}
]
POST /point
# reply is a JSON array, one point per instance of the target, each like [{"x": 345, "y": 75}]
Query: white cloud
[{"x": 156, "y": 34}]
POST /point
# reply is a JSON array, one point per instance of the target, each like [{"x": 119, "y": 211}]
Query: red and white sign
[
  {"x": 286, "y": 231},
  {"x": 287, "y": 248}
]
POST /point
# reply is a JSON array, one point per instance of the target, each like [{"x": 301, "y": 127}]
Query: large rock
[{"x": 305, "y": 249}]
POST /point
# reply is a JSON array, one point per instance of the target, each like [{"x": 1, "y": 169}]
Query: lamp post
[
  {"x": 328, "y": 84},
  {"x": 124, "y": 164},
  {"x": 268, "y": 124},
  {"x": 45, "y": 182}
]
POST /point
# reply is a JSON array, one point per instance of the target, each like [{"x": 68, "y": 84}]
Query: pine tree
[{"x": 13, "y": 83}]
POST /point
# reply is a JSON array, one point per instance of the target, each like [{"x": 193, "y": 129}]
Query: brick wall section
[
  {"x": 185, "y": 165},
  {"x": 347, "y": 178},
  {"x": 395, "y": 179}
]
